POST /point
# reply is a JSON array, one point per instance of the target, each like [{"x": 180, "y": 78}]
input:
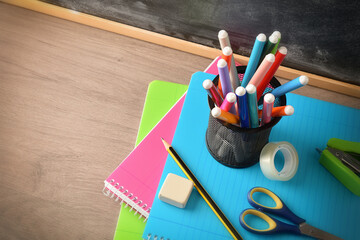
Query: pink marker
[
  {"x": 213, "y": 92},
  {"x": 262, "y": 70},
  {"x": 267, "y": 108},
  {"x": 228, "y": 103}
]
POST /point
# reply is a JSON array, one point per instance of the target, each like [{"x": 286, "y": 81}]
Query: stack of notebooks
[{"x": 313, "y": 193}]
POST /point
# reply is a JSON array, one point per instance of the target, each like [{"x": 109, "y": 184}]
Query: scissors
[{"x": 276, "y": 226}]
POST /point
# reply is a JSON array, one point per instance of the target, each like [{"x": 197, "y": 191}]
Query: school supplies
[
  {"x": 254, "y": 59},
  {"x": 267, "y": 161},
  {"x": 228, "y": 103},
  {"x": 322, "y": 197},
  {"x": 269, "y": 46},
  {"x": 342, "y": 159},
  {"x": 202, "y": 191},
  {"x": 277, "y": 226},
  {"x": 267, "y": 108},
  {"x": 213, "y": 92},
  {"x": 290, "y": 86},
  {"x": 243, "y": 108},
  {"x": 280, "y": 111},
  {"x": 224, "y": 77},
  {"x": 278, "y": 35},
  {"x": 160, "y": 98},
  {"x": 279, "y": 57},
  {"x": 262, "y": 69},
  {"x": 218, "y": 113},
  {"x": 135, "y": 180},
  {"x": 253, "y": 105}
]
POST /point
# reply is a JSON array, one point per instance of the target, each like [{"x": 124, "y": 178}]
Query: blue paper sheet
[{"x": 313, "y": 194}]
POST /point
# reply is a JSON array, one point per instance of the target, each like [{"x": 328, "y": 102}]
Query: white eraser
[
  {"x": 269, "y": 98},
  {"x": 240, "y": 91},
  {"x": 283, "y": 50},
  {"x": 250, "y": 88},
  {"x": 227, "y": 51},
  {"x": 261, "y": 37},
  {"x": 176, "y": 190},
  {"x": 222, "y": 63},
  {"x": 303, "y": 80},
  {"x": 270, "y": 57}
]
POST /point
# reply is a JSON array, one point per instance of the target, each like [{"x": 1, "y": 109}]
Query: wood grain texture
[{"x": 71, "y": 98}]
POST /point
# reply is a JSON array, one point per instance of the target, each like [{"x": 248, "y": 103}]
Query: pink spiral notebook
[{"x": 136, "y": 179}]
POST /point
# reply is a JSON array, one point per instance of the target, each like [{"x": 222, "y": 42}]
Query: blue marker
[
  {"x": 253, "y": 106},
  {"x": 254, "y": 58},
  {"x": 243, "y": 108},
  {"x": 224, "y": 77},
  {"x": 290, "y": 86}
]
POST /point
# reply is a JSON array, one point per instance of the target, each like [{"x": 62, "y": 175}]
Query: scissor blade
[{"x": 311, "y": 231}]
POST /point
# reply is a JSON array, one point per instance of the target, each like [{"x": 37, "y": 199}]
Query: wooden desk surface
[{"x": 71, "y": 99}]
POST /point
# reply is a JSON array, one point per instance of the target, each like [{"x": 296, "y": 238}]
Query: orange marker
[
  {"x": 280, "y": 111},
  {"x": 279, "y": 57},
  {"x": 216, "y": 112}
]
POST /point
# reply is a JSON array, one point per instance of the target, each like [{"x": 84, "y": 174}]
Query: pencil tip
[{"x": 167, "y": 146}]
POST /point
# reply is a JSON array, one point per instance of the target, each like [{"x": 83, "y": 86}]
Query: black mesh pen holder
[{"x": 239, "y": 147}]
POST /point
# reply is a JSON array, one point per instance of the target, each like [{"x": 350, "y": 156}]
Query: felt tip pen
[
  {"x": 224, "y": 39},
  {"x": 243, "y": 108},
  {"x": 269, "y": 46},
  {"x": 213, "y": 92},
  {"x": 224, "y": 77},
  {"x": 278, "y": 35},
  {"x": 227, "y": 55},
  {"x": 253, "y": 106},
  {"x": 262, "y": 69},
  {"x": 280, "y": 111},
  {"x": 254, "y": 59},
  {"x": 228, "y": 103},
  {"x": 218, "y": 113},
  {"x": 290, "y": 86},
  {"x": 267, "y": 108},
  {"x": 279, "y": 57}
]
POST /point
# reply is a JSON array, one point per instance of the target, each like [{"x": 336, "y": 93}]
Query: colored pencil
[{"x": 202, "y": 191}]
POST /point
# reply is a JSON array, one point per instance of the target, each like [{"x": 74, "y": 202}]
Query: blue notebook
[{"x": 313, "y": 194}]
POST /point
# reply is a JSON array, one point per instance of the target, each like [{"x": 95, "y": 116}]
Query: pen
[{"x": 202, "y": 191}]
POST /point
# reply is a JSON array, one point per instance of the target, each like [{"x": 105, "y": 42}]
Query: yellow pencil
[{"x": 202, "y": 191}]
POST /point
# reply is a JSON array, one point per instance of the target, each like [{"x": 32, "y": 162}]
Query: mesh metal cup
[{"x": 239, "y": 147}]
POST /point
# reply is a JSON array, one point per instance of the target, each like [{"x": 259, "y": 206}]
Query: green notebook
[{"x": 160, "y": 97}]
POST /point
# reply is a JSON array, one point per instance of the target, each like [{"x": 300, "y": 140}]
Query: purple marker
[{"x": 224, "y": 77}]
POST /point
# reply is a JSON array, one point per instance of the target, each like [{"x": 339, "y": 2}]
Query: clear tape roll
[{"x": 267, "y": 158}]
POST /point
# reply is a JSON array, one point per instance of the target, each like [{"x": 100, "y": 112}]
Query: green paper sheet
[{"x": 160, "y": 97}]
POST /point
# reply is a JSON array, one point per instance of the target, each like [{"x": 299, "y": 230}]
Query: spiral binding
[
  {"x": 127, "y": 197},
  {"x": 156, "y": 237}
]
